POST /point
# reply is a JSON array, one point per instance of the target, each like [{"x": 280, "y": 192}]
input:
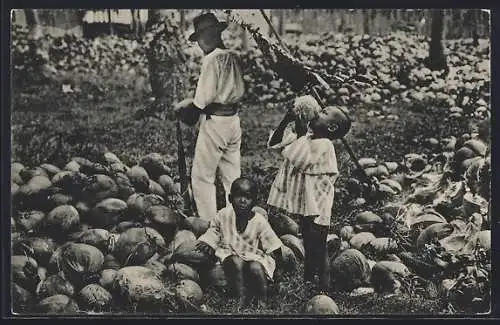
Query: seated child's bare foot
[
  {"x": 308, "y": 288},
  {"x": 262, "y": 303},
  {"x": 244, "y": 302}
]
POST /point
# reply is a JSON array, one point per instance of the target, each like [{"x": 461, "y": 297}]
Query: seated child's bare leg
[
  {"x": 306, "y": 224},
  {"x": 233, "y": 269},
  {"x": 256, "y": 281}
]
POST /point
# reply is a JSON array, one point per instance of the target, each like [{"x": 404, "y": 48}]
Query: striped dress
[
  {"x": 254, "y": 244},
  {"x": 305, "y": 181}
]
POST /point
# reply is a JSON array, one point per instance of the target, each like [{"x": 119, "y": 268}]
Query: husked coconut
[
  {"x": 138, "y": 287},
  {"x": 107, "y": 213},
  {"x": 57, "y": 304},
  {"x": 95, "y": 298},
  {"x": 322, "y": 305},
  {"x": 139, "y": 178},
  {"x": 61, "y": 220},
  {"x": 295, "y": 244},
  {"x": 190, "y": 291}
]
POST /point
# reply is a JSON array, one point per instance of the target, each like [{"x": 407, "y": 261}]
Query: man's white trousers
[{"x": 217, "y": 151}]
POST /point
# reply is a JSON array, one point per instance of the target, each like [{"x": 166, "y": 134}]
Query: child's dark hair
[{"x": 237, "y": 183}]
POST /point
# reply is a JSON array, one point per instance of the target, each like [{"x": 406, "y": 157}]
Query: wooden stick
[{"x": 181, "y": 162}]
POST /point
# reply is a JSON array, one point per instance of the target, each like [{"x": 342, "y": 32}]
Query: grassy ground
[
  {"x": 290, "y": 297},
  {"x": 42, "y": 113}
]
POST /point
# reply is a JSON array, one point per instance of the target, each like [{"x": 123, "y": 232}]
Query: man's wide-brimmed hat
[{"x": 206, "y": 21}]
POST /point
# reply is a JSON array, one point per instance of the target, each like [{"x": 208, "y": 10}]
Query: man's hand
[
  {"x": 205, "y": 248},
  {"x": 182, "y": 104},
  {"x": 187, "y": 112}
]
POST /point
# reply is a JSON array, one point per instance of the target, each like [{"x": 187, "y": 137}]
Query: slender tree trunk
[
  {"x": 134, "y": 23},
  {"x": 140, "y": 24},
  {"x": 281, "y": 17},
  {"x": 475, "y": 26},
  {"x": 165, "y": 62},
  {"x": 342, "y": 21},
  {"x": 436, "y": 59},
  {"x": 374, "y": 21},
  {"x": 244, "y": 39},
  {"x": 366, "y": 21},
  {"x": 111, "y": 32},
  {"x": 457, "y": 23},
  {"x": 33, "y": 22},
  {"x": 154, "y": 62},
  {"x": 427, "y": 18},
  {"x": 182, "y": 22}
]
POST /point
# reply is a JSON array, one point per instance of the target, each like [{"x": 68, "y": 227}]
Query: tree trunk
[
  {"x": 111, "y": 32},
  {"x": 134, "y": 23},
  {"x": 166, "y": 67},
  {"x": 475, "y": 26},
  {"x": 80, "y": 13},
  {"x": 436, "y": 59},
  {"x": 457, "y": 23},
  {"x": 33, "y": 22},
  {"x": 153, "y": 18},
  {"x": 342, "y": 22},
  {"x": 375, "y": 22},
  {"x": 244, "y": 39},
  {"x": 182, "y": 22},
  {"x": 366, "y": 21},
  {"x": 281, "y": 17},
  {"x": 155, "y": 77},
  {"x": 140, "y": 24}
]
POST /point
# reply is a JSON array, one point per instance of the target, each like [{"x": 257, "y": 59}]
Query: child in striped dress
[
  {"x": 244, "y": 243},
  {"x": 304, "y": 184}
]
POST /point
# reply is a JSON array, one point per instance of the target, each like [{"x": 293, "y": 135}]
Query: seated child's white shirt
[{"x": 254, "y": 244}]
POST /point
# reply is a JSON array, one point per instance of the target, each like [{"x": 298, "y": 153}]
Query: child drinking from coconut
[
  {"x": 304, "y": 185},
  {"x": 244, "y": 243}
]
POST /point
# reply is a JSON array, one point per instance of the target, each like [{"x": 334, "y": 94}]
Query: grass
[
  {"x": 43, "y": 113},
  {"x": 291, "y": 296}
]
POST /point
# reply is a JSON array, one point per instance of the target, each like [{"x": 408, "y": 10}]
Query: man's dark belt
[{"x": 218, "y": 109}]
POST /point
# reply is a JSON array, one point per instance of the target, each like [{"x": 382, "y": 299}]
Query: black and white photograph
[{"x": 279, "y": 162}]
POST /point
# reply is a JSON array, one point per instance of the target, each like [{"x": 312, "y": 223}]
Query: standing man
[{"x": 215, "y": 105}]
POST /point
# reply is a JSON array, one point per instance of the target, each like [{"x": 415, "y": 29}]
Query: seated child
[
  {"x": 304, "y": 185},
  {"x": 245, "y": 244}
]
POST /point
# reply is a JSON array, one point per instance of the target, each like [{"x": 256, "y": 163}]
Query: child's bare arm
[
  {"x": 277, "y": 136},
  {"x": 277, "y": 254},
  {"x": 205, "y": 248},
  {"x": 210, "y": 239},
  {"x": 300, "y": 127}
]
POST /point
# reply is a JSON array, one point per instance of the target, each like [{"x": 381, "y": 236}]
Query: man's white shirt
[{"x": 221, "y": 79}]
